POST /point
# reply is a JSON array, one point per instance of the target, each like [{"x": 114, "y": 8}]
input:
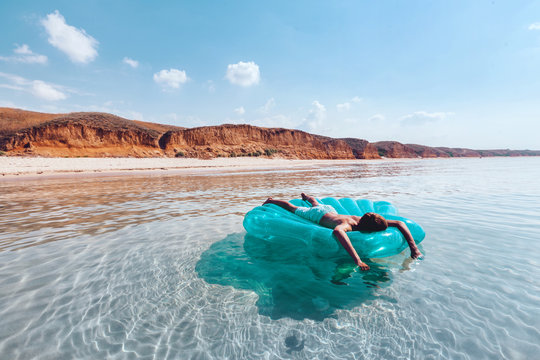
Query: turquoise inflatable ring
[{"x": 272, "y": 223}]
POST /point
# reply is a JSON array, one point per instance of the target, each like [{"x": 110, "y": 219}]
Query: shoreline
[
  {"x": 15, "y": 168},
  {"x": 32, "y": 168}
]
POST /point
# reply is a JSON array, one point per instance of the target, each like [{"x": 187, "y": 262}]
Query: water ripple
[{"x": 132, "y": 267}]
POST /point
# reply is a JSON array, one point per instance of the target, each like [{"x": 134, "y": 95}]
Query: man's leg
[
  {"x": 282, "y": 203},
  {"x": 310, "y": 199}
]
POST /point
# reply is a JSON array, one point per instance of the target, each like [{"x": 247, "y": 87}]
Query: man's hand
[
  {"x": 363, "y": 266},
  {"x": 340, "y": 234},
  {"x": 402, "y": 227}
]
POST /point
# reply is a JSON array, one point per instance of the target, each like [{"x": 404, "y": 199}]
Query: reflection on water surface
[{"x": 289, "y": 282}]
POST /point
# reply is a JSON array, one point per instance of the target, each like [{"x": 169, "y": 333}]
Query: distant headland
[{"x": 93, "y": 134}]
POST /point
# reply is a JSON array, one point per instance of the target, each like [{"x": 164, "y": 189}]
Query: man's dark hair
[{"x": 372, "y": 222}]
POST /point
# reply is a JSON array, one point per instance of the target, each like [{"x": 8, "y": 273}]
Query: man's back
[{"x": 332, "y": 220}]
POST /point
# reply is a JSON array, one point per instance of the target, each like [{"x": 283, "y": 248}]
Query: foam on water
[{"x": 160, "y": 267}]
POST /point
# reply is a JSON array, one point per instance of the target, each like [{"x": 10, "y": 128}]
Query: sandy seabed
[{"x": 12, "y": 167}]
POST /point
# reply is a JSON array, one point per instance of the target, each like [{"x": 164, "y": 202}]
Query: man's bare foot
[
  {"x": 416, "y": 254},
  {"x": 363, "y": 266},
  {"x": 268, "y": 201},
  {"x": 304, "y": 197}
]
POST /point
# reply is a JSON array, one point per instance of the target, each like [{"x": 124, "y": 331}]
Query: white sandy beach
[{"x": 40, "y": 167}]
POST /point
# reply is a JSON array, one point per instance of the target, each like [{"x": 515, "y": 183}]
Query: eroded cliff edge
[{"x": 95, "y": 134}]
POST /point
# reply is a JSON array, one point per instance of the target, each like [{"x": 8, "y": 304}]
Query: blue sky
[{"x": 439, "y": 73}]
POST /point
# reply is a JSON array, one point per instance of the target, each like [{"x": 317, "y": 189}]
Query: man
[{"x": 327, "y": 216}]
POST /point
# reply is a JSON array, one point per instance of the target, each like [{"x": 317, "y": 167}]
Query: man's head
[{"x": 372, "y": 222}]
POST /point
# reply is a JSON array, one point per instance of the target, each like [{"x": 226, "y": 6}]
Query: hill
[{"x": 94, "y": 134}]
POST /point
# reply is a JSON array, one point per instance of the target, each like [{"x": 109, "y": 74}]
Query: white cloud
[
  {"x": 240, "y": 110},
  {"x": 343, "y": 107},
  {"x": 346, "y": 106},
  {"x": 18, "y": 80},
  {"x": 25, "y": 55},
  {"x": 133, "y": 63},
  {"x": 377, "y": 118},
  {"x": 243, "y": 73},
  {"x": 23, "y": 50},
  {"x": 534, "y": 26},
  {"x": 46, "y": 91},
  {"x": 75, "y": 43},
  {"x": 38, "y": 88},
  {"x": 11, "y": 87},
  {"x": 423, "y": 117},
  {"x": 210, "y": 86},
  {"x": 315, "y": 117},
  {"x": 172, "y": 78},
  {"x": 269, "y": 105}
]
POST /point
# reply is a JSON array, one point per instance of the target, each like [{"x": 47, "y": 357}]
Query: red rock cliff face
[
  {"x": 103, "y": 135},
  {"x": 426, "y": 151},
  {"x": 362, "y": 149},
  {"x": 239, "y": 140},
  {"x": 394, "y": 149},
  {"x": 83, "y": 134},
  {"x": 459, "y": 152}
]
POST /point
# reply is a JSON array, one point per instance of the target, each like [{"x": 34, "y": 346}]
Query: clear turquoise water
[{"x": 159, "y": 267}]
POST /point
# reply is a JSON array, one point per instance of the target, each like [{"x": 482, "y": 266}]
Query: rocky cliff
[
  {"x": 81, "y": 134},
  {"x": 101, "y": 134},
  {"x": 394, "y": 149},
  {"x": 105, "y": 135},
  {"x": 362, "y": 149},
  {"x": 247, "y": 140}
]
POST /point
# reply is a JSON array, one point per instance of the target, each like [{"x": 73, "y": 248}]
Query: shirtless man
[{"x": 327, "y": 216}]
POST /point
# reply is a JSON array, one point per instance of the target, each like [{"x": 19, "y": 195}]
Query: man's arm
[
  {"x": 344, "y": 240},
  {"x": 415, "y": 253}
]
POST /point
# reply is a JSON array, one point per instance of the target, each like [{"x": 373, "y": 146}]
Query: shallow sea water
[{"x": 159, "y": 267}]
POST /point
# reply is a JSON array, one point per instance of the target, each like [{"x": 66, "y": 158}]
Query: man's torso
[{"x": 331, "y": 220}]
